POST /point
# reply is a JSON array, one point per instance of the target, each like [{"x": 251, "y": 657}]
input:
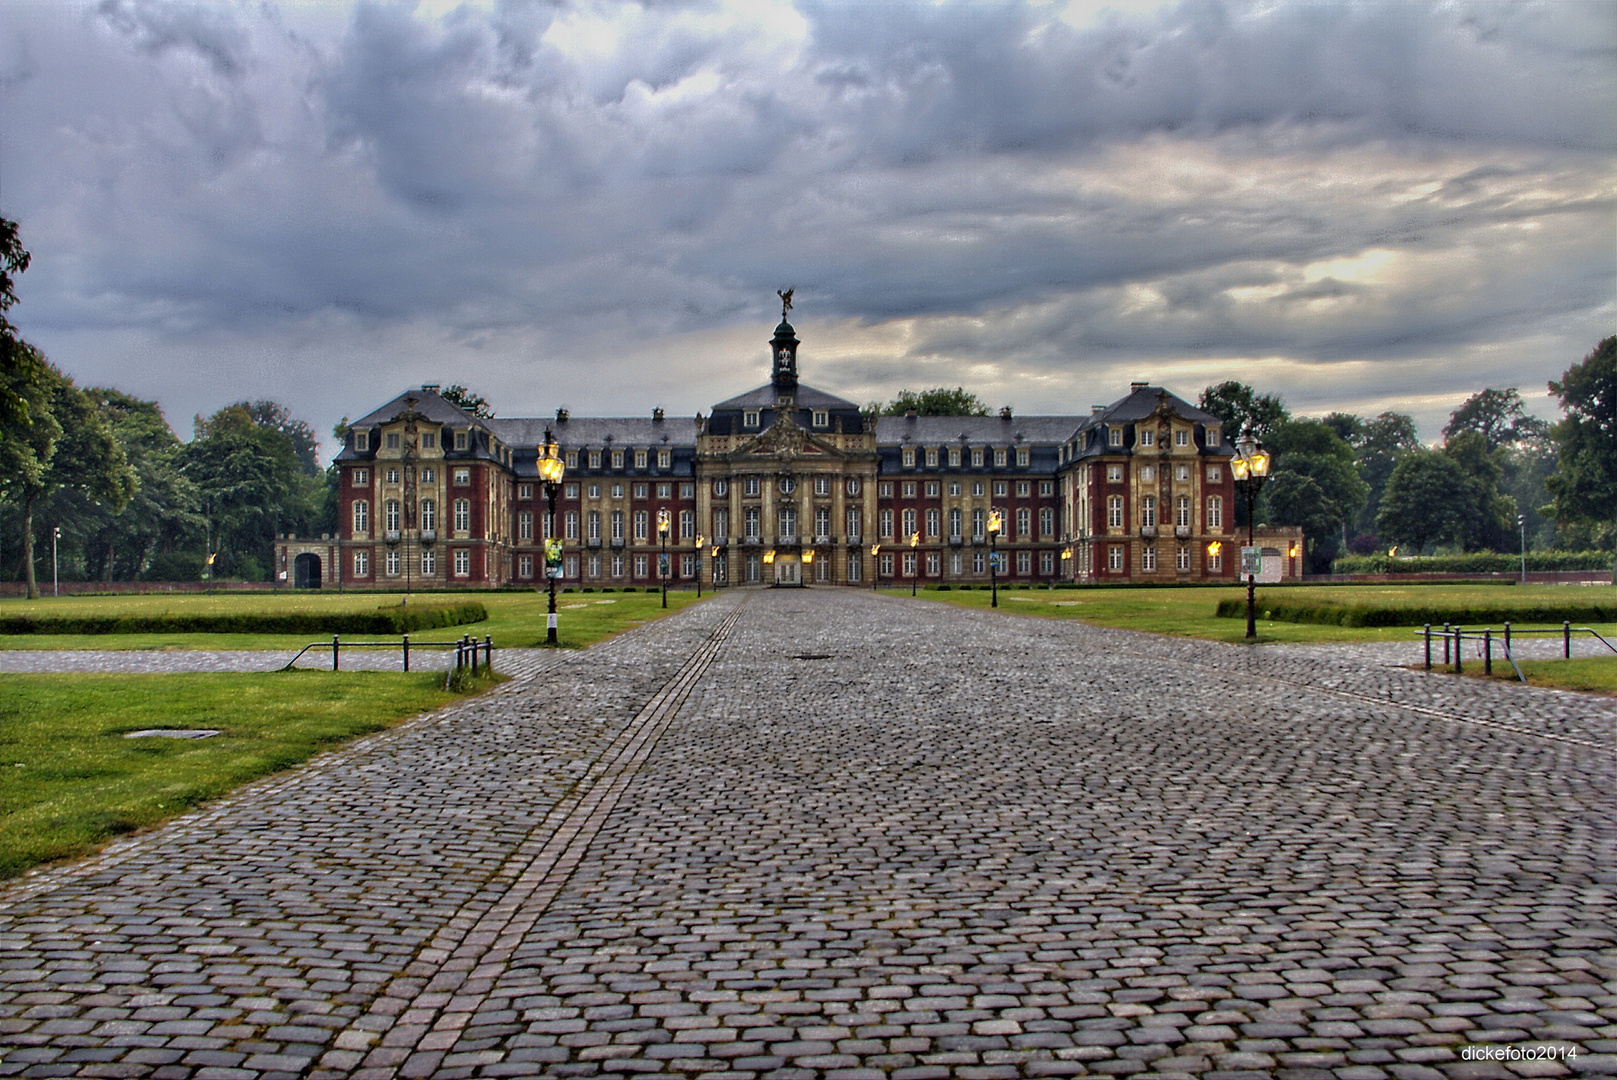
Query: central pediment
[{"x": 785, "y": 438}]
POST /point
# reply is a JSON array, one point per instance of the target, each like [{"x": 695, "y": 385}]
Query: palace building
[{"x": 785, "y": 485}]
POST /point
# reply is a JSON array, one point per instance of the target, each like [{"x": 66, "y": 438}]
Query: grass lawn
[
  {"x": 1591, "y": 674},
  {"x": 70, "y": 781},
  {"x": 516, "y": 619},
  {"x": 1189, "y": 612}
]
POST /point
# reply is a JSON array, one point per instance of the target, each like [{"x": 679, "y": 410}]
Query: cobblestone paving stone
[{"x": 870, "y": 837}]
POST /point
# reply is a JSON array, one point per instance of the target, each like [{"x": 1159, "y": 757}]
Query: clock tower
[{"x": 783, "y": 374}]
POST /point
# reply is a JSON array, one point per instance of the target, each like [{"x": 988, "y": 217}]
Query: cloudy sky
[{"x": 1357, "y": 206}]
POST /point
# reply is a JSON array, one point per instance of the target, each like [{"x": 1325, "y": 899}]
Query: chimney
[
  {"x": 430, "y": 387},
  {"x": 910, "y": 414},
  {"x": 1135, "y": 387},
  {"x": 1096, "y": 410},
  {"x": 1005, "y": 413},
  {"x": 657, "y": 414},
  {"x": 561, "y": 416}
]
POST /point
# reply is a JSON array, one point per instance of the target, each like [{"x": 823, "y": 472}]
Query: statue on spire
[{"x": 785, "y": 301}]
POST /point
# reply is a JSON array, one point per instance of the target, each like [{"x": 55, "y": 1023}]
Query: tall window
[
  {"x": 954, "y": 522},
  {"x": 909, "y": 564},
  {"x": 390, "y": 515},
  {"x": 721, "y": 526},
  {"x": 429, "y": 514},
  {"x": 854, "y": 517},
  {"x": 594, "y": 523},
  {"x": 463, "y": 562},
  {"x": 1024, "y": 523},
  {"x": 1114, "y": 557},
  {"x": 525, "y": 566},
  {"x": 750, "y": 485},
  {"x": 463, "y": 515},
  {"x": 822, "y": 485},
  {"x": 642, "y": 566},
  {"x": 362, "y": 564},
  {"x": 617, "y": 532},
  {"x": 750, "y": 521},
  {"x": 429, "y": 562},
  {"x": 687, "y": 525},
  {"x": 525, "y": 525},
  {"x": 1148, "y": 559},
  {"x": 822, "y": 521},
  {"x": 934, "y": 564},
  {"x": 1114, "y": 513},
  {"x": 391, "y": 561},
  {"x": 908, "y": 517},
  {"x": 1148, "y": 512},
  {"x": 885, "y": 565},
  {"x": 617, "y": 566},
  {"x": 854, "y": 567},
  {"x": 979, "y": 524},
  {"x": 1024, "y": 562},
  {"x": 932, "y": 524},
  {"x": 884, "y": 524},
  {"x": 641, "y": 523},
  {"x": 569, "y": 522},
  {"x": 788, "y": 521},
  {"x": 1047, "y": 523},
  {"x": 1181, "y": 512},
  {"x": 362, "y": 518}
]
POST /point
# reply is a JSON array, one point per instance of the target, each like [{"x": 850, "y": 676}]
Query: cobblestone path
[{"x": 827, "y": 834}]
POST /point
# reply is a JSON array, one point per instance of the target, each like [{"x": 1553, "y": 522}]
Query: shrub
[
  {"x": 1420, "y": 614},
  {"x": 1483, "y": 562},
  {"x": 388, "y": 620}
]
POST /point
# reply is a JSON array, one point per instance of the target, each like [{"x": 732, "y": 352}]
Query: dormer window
[
  {"x": 1181, "y": 437},
  {"x": 362, "y": 440},
  {"x": 749, "y": 418},
  {"x": 1148, "y": 437},
  {"x": 428, "y": 440},
  {"x": 595, "y": 459},
  {"x": 821, "y": 418},
  {"x": 909, "y": 458},
  {"x": 617, "y": 459},
  {"x": 460, "y": 439},
  {"x": 1114, "y": 436},
  {"x": 932, "y": 458},
  {"x": 665, "y": 459},
  {"x": 1212, "y": 436},
  {"x": 954, "y": 455},
  {"x": 392, "y": 440},
  {"x": 640, "y": 459}
]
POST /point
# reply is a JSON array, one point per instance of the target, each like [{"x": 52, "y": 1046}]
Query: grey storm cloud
[{"x": 278, "y": 193}]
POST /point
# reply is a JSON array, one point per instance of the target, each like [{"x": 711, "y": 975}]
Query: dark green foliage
[
  {"x": 1584, "y": 486},
  {"x": 1499, "y": 416},
  {"x": 388, "y": 620},
  {"x": 939, "y": 401},
  {"x": 1489, "y": 516},
  {"x": 1243, "y": 409},
  {"x": 476, "y": 404},
  {"x": 1426, "y": 501},
  {"x": 1477, "y": 563},
  {"x": 1315, "y": 484},
  {"x": 1420, "y": 614}
]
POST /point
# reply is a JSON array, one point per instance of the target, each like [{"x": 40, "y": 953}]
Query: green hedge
[
  {"x": 1485, "y": 562},
  {"x": 388, "y": 620},
  {"x": 1418, "y": 615}
]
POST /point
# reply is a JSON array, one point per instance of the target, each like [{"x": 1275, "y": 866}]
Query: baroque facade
[{"x": 785, "y": 485}]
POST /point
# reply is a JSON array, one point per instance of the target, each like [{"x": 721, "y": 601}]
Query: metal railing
[
  {"x": 466, "y": 650},
  {"x": 1454, "y": 638}
]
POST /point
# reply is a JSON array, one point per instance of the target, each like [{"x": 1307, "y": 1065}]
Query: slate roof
[
  {"x": 807, "y": 397},
  {"x": 938, "y": 430},
  {"x": 1142, "y": 401},
  {"x": 526, "y": 433},
  {"x": 430, "y": 404}
]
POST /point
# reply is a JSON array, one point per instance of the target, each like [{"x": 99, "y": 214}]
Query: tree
[
  {"x": 1243, "y": 409},
  {"x": 939, "y": 401},
  {"x": 1425, "y": 502},
  {"x": 277, "y": 417},
  {"x": 1584, "y": 486},
  {"x": 1315, "y": 484},
  {"x": 476, "y": 404},
  {"x": 1490, "y": 516},
  {"x": 64, "y": 444},
  {"x": 1382, "y": 443},
  {"x": 22, "y": 369},
  {"x": 1498, "y": 415},
  {"x": 165, "y": 514},
  {"x": 252, "y": 486}
]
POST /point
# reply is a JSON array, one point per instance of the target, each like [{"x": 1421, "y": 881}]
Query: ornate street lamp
[
  {"x": 663, "y": 517},
  {"x": 551, "y": 470},
  {"x": 995, "y": 520},
  {"x": 915, "y": 562},
  {"x": 1066, "y": 563},
  {"x": 700, "y": 542},
  {"x": 875, "y": 572},
  {"x": 1251, "y": 467}
]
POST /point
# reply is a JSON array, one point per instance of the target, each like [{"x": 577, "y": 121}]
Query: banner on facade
[{"x": 553, "y": 557}]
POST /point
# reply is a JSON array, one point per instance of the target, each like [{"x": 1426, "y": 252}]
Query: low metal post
[
  {"x": 407, "y": 653},
  {"x": 1487, "y": 651},
  {"x": 1445, "y": 644},
  {"x": 1459, "y": 647},
  {"x": 1507, "y": 637},
  {"x": 488, "y": 655},
  {"x": 1566, "y": 641},
  {"x": 335, "y": 648},
  {"x": 1428, "y": 646}
]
